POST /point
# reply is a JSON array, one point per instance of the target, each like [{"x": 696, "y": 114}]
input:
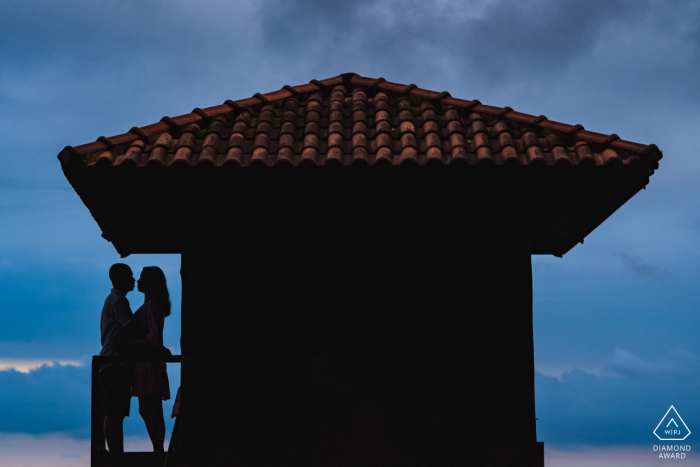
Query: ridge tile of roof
[{"x": 350, "y": 118}]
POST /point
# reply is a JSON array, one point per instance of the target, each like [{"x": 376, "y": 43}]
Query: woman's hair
[{"x": 158, "y": 287}]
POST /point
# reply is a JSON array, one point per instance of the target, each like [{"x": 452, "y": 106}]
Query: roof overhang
[{"x": 144, "y": 186}]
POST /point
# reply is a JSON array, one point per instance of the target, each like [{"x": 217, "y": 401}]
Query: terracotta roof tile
[{"x": 350, "y": 118}]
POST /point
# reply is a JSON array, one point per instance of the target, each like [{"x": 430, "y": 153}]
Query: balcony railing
[{"x": 99, "y": 456}]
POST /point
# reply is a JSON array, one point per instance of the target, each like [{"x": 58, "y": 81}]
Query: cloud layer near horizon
[
  {"x": 620, "y": 406},
  {"x": 56, "y": 399}
]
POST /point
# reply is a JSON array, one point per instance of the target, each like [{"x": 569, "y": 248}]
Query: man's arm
[
  {"x": 131, "y": 329},
  {"x": 122, "y": 312},
  {"x": 132, "y": 332}
]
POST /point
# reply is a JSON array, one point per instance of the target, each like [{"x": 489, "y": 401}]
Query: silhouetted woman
[{"x": 151, "y": 384}]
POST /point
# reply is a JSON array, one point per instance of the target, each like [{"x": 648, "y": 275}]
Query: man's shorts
[{"x": 116, "y": 389}]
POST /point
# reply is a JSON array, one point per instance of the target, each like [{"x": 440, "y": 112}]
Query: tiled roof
[{"x": 351, "y": 118}]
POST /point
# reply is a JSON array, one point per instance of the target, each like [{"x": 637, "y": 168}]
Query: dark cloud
[
  {"x": 129, "y": 63},
  {"x": 499, "y": 40},
  {"x": 496, "y": 40},
  {"x": 641, "y": 268}
]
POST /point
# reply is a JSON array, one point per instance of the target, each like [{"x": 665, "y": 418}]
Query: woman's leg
[
  {"x": 151, "y": 410},
  {"x": 162, "y": 421}
]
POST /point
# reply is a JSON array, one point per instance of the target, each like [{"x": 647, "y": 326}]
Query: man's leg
[
  {"x": 117, "y": 389},
  {"x": 114, "y": 433}
]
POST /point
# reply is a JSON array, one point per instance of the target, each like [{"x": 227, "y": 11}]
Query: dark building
[{"x": 356, "y": 272}]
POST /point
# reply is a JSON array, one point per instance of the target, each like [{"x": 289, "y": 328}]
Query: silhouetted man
[{"x": 115, "y": 378}]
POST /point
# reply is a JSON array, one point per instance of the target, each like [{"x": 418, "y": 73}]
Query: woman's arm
[
  {"x": 137, "y": 344},
  {"x": 155, "y": 319},
  {"x": 154, "y": 337}
]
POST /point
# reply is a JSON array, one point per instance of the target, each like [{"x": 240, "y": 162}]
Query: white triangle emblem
[{"x": 672, "y": 427}]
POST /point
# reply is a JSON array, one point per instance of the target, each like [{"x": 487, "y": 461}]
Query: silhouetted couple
[{"x": 140, "y": 333}]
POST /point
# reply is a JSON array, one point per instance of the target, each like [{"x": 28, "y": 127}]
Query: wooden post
[{"x": 97, "y": 439}]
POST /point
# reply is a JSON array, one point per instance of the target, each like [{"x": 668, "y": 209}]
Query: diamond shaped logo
[{"x": 672, "y": 427}]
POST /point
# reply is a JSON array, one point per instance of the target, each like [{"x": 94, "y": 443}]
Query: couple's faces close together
[{"x": 128, "y": 282}]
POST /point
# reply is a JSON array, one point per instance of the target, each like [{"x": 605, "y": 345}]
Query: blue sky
[{"x": 616, "y": 319}]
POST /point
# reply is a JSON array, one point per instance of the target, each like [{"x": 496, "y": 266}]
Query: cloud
[
  {"x": 641, "y": 268},
  {"x": 147, "y": 59},
  {"x": 165, "y": 50},
  {"x": 675, "y": 361},
  {"x": 56, "y": 399},
  {"x": 48, "y": 399},
  {"x": 581, "y": 408},
  {"x": 498, "y": 40},
  {"x": 25, "y": 366}
]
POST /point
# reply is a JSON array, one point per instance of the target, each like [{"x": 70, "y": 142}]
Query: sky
[{"x": 615, "y": 319}]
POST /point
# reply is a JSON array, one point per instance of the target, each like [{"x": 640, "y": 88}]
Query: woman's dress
[{"x": 151, "y": 379}]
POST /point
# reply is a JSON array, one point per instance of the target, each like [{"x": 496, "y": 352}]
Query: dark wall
[{"x": 377, "y": 317}]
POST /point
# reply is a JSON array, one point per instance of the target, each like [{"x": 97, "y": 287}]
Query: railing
[{"x": 98, "y": 453}]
